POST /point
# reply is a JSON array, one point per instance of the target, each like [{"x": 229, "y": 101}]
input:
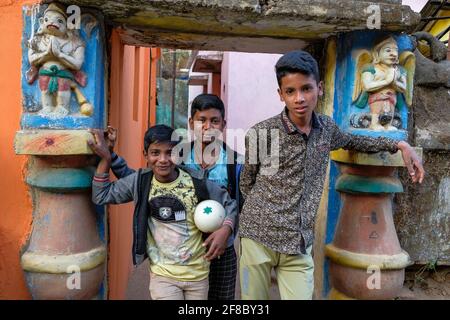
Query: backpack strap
[
  {"x": 201, "y": 191},
  {"x": 232, "y": 172}
]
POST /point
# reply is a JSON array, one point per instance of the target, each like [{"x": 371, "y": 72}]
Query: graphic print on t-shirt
[
  {"x": 174, "y": 243},
  {"x": 167, "y": 209}
]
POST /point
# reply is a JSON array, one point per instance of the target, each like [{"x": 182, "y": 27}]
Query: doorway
[{"x": 167, "y": 81}]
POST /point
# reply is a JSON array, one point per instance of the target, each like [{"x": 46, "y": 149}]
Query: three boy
[{"x": 278, "y": 215}]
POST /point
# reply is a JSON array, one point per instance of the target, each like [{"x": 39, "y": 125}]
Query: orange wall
[
  {"x": 15, "y": 205},
  {"x": 129, "y": 112}
]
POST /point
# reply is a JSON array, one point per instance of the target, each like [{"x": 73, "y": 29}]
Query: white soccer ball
[{"x": 209, "y": 216}]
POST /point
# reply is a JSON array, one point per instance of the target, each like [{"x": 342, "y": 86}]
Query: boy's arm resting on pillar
[
  {"x": 412, "y": 161},
  {"x": 119, "y": 166},
  {"x": 367, "y": 144},
  {"x": 249, "y": 170},
  {"x": 360, "y": 143},
  {"x": 106, "y": 192},
  {"x": 217, "y": 241},
  {"x": 103, "y": 190}
]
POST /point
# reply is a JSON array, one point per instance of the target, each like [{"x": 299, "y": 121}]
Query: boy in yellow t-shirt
[{"x": 165, "y": 198}]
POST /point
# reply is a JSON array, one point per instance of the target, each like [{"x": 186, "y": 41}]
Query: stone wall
[
  {"x": 244, "y": 25},
  {"x": 422, "y": 213}
]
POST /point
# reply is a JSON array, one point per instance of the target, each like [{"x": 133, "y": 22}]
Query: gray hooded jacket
[{"x": 136, "y": 187}]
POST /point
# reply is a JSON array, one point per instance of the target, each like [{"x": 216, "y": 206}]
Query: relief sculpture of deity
[
  {"x": 56, "y": 55},
  {"x": 382, "y": 77}
]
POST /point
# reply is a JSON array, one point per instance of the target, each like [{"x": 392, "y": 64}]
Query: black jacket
[{"x": 136, "y": 187}]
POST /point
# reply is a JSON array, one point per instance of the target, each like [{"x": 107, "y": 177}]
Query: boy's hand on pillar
[
  {"x": 217, "y": 242},
  {"x": 412, "y": 162},
  {"x": 100, "y": 147},
  {"x": 111, "y": 137}
]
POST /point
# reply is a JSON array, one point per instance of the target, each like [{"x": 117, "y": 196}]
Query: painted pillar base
[
  {"x": 65, "y": 258},
  {"x": 366, "y": 260}
]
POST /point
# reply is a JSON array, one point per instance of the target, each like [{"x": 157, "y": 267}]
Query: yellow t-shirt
[{"x": 174, "y": 244}]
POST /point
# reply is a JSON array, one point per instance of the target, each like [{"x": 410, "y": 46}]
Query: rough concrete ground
[
  {"x": 422, "y": 284},
  {"x": 434, "y": 286},
  {"x": 139, "y": 281}
]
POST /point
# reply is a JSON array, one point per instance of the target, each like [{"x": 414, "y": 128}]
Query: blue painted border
[
  {"x": 345, "y": 77},
  {"x": 342, "y": 110},
  {"x": 101, "y": 220},
  {"x": 95, "y": 68}
]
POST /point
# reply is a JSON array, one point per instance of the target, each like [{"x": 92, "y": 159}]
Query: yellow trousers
[{"x": 295, "y": 273}]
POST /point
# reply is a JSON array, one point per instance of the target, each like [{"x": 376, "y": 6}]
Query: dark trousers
[{"x": 222, "y": 276}]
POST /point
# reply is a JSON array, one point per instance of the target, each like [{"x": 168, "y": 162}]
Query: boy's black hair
[
  {"x": 157, "y": 134},
  {"x": 297, "y": 62},
  {"x": 207, "y": 101}
]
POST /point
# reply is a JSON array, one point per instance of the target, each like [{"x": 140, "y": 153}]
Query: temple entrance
[{"x": 139, "y": 32}]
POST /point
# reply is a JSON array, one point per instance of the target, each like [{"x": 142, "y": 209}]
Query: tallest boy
[{"x": 277, "y": 220}]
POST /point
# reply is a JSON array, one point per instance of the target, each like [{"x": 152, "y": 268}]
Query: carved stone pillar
[
  {"x": 65, "y": 257},
  {"x": 63, "y": 87},
  {"x": 366, "y": 260},
  {"x": 374, "y": 76}
]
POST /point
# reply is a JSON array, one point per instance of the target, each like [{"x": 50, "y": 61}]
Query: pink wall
[{"x": 249, "y": 90}]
